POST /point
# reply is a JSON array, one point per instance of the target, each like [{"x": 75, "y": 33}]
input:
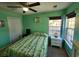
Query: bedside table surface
[{"x": 58, "y": 38}]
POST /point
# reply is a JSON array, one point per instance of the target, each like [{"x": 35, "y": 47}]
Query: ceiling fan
[{"x": 26, "y": 5}]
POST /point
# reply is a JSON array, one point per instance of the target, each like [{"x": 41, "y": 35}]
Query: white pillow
[{"x": 36, "y": 33}]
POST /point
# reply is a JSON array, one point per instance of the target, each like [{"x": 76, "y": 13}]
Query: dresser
[
  {"x": 75, "y": 52},
  {"x": 56, "y": 41}
]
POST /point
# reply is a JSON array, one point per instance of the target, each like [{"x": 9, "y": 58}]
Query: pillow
[
  {"x": 36, "y": 33},
  {"x": 40, "y": 33},
  {"x": 45, "y": 34}
]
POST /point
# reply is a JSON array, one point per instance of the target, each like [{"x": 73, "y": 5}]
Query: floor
[{"x": 56, "y": 52}]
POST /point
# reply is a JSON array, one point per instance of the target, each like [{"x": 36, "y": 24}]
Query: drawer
[
  {"x": 56, "y": 44},
  {"x": 56, "y": 41}
]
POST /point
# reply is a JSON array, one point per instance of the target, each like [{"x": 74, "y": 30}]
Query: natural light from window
[{"x": 54, "y": 27}]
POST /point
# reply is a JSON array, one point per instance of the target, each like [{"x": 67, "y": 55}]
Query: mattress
[{"x": 34, "y": 45}]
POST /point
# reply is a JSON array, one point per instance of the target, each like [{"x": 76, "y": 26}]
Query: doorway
[{"x": 15, "y": 28}]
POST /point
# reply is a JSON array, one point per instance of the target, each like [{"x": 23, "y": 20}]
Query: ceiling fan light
[{"x": 25, "y": 9}]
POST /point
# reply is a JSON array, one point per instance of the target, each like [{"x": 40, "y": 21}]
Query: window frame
[
  {"x": 56, "y": 26},
  {"x": 70, "y": 43}
]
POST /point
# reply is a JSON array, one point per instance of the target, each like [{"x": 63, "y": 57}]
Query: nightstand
[{"x": 56, "y": 41}]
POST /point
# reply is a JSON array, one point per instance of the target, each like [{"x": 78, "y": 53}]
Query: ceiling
[{"x": 43, "y": 7}]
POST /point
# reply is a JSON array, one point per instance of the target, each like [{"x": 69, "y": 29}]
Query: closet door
[{"x": 15, "y": 28}]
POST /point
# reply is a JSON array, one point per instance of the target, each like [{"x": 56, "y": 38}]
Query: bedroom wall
[
  {"x": 42, "y": 26},
  {"x": 4, "y": 31}
]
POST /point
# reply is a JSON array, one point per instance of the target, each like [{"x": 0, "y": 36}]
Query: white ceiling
[{"x": 43, "y": 7}]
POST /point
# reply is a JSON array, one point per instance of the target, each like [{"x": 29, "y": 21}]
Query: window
[
  {"x": 54, "y": 27},
  {"x": 70, "y": 25}
]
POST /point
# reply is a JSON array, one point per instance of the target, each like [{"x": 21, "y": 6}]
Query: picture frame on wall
[
  {"x": 37, "y": 19},
  {"x": 1, "y": 23}
]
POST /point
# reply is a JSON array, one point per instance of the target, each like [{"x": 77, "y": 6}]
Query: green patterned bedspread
[{"x": 30, "y": 46}]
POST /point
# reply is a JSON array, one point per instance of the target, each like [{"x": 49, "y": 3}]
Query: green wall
[
  {"x": 42, "y": 26},
  {"x": 76, "y": 31},
  {"x": 4, "y": 31}
]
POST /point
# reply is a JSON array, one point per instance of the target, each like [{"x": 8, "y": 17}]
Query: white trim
[{"x": 68, "y": 44}]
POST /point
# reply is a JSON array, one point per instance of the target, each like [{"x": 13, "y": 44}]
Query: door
[{"x": 15, "y": 28}]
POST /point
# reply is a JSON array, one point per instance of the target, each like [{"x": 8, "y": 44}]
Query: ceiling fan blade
[
  {"x": 32, "y": 10},
  {"x": 34, "y": 4},
  {"x": 23, "y": 4},
  {"x": 14, "y": 6}
]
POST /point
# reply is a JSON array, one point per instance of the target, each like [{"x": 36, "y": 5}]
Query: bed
[{"x": 33, "y": 45}]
